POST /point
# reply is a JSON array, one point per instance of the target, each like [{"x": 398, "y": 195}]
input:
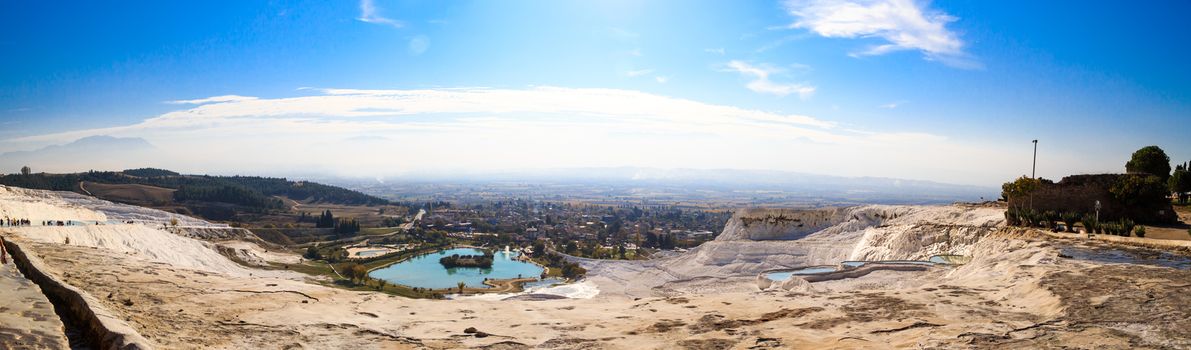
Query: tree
[
  {"x": 1180, "y": 182},
  {"x": 461, "y": 285},
  {"x": 1139, "y": 191},
  {"x": 312, "y": 253},
  {"x": 1021, "y": 187},
  {"x": 1150, "y": 160},
  {"x": 26, "y": 171},
  {"x": 357, "y": 273},
  {"x": 326, "y": 220}
]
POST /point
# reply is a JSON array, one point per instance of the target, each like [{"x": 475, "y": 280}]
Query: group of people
[
  {"x": 57, "y": 223},
  {"x": 16, "y": 222},
  {"x": 12, "y": 222}
]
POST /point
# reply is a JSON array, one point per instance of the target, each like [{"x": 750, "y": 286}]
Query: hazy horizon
[{"x": 945, "y": 92}]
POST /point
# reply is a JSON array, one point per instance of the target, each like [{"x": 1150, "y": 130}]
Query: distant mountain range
[{"x": 98, "y": 152}]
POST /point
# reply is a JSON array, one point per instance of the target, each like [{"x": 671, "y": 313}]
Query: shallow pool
[
  {"x": 542, "y": 283},
  {"x": 1127, "y": 256},
  {"x": 368, "y": 253},
  {"x": 950, "y": 259},
  {"x": 424, "y": 271},
  {"x": 785, "y": 275}
]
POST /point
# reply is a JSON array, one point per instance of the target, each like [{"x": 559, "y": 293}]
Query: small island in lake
[{"x": 455, "y": 260}]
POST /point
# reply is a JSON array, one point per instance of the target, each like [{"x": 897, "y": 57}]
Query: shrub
[
  {"x": 1069, "y": 219},
  {"x": 1049, "y": 218},
  {"x": 1089, "y": 224},
  {"x": 1126, "y": 227},
  {"x": 1140, "y": 232},
  {"x": 1012, "y": 218},
  {"x": 1111, "y": 228}
]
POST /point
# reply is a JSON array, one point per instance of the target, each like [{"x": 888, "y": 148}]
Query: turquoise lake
[{"x": 425, "y": 271}]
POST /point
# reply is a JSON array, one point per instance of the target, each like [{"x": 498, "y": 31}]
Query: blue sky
[{"x": 948, "y": 90}]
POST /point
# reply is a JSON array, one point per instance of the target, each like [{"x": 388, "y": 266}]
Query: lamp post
[
  {"x": 1034, "y": 168},
  {"x": 1097, "y": 217}
]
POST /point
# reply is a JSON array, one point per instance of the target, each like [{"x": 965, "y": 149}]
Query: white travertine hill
[
  {"x": 757, "y": 240},
  {"x": 38, "y": 206},
  {"x": 184, "y": 246}
]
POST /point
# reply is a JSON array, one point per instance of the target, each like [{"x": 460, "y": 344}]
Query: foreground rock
[
  {"x": 27, "y": 319},
  {"x": 1017, "y": 292}
]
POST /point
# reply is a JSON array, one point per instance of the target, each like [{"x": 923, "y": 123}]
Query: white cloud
[
  {"x": 638, "y": 73},
  {"x": 371, "y": 14},
  {"x": 661, "y": 79},
  {"x": 892, "y": 105},
  {"x": 382, "y": 132},
  {"x": 213, "y": 99},
  {"x": 902, "y": 24},
  {"x": 762, "y": 84}
]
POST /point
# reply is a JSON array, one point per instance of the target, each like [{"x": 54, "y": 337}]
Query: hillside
[{"x": 214, "y": 197}]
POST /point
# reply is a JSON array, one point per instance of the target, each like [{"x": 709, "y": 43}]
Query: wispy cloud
[
  {"x": 513, "y": 128},
  {"x": 212, "y": 99},
  {"x": 901, "y": 24},
  {"x": 371, "y": 14},
  {"x": 638, "y": 73},
  {"x": 719, "y": 51},
  {"x": 630, "y": 110},
  {"x": 892, "y": 105},
  {"x": 762, "y": 84},
  {"x": 661, "y": 79}
]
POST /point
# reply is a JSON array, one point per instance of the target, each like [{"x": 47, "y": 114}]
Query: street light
[{"x": 1034, "y": 169}]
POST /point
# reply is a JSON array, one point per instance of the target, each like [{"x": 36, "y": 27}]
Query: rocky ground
[
  {"x": 1019, "y": 291},
  {"x": 27, "y": 319}
]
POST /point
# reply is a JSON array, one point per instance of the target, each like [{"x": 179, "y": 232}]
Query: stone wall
[{"x": 1079, "y": 193}]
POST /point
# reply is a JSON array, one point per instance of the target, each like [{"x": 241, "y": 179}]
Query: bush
[
  {"x": 1069, "y": 220},
  {"x": 1126, "y": 227},
  {"x": 1011, "y": 217},
  {"x": 1089, "y": 224},
  {"x": 1049, "y": 218},
  {"x": 1112, "y": 228},
  {"x": 1140, "y": 232}
]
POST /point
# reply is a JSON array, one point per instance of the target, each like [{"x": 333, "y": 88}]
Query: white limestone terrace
[
  {"x": 187, "y": 245},
  {"x": 41, "y": 205},
  {"x": 123, "y": 212},
  {"x": 757, "y": 240}
]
